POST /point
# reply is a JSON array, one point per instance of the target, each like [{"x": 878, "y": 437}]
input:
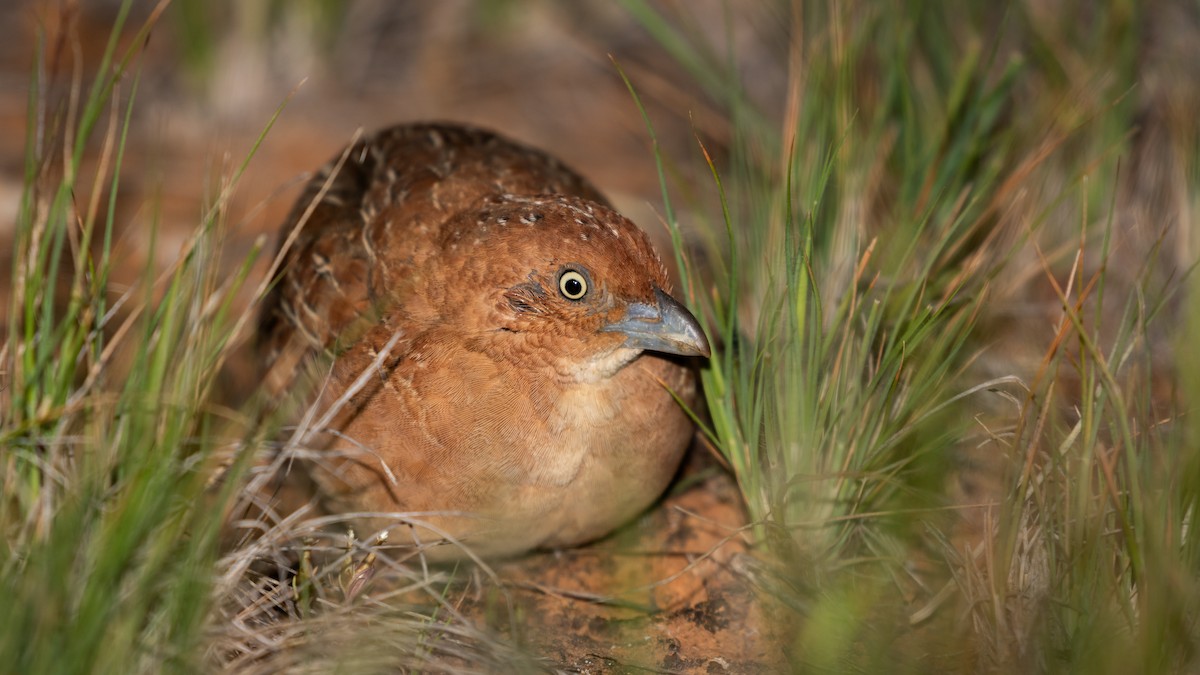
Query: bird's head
[{"x": 564, "y": 280}]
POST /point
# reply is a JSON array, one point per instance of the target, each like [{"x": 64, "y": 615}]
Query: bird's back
[{"x": 340, "y": 255}]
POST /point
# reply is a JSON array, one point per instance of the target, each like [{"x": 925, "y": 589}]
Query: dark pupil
[{"x": 573, "y": 287}]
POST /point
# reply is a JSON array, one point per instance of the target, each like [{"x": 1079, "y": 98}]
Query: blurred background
[{"x": 215, "y": 72}]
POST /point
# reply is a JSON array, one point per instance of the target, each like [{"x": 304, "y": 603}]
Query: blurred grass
[{"x": 922, "y": 258}]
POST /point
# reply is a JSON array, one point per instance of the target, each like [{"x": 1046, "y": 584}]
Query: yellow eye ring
[{"x": 573, "y": 285}]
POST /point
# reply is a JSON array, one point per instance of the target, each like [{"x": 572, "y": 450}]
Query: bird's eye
[{"x": 573, "y": 285}]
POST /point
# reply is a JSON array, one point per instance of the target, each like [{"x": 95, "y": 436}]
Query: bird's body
[{"x": 488, "y": 317}]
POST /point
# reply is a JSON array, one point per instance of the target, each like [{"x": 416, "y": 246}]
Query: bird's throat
[{"x": 597, "y": 368}]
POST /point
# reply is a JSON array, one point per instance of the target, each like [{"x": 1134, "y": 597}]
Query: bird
[{"x": 496, "y": 351}]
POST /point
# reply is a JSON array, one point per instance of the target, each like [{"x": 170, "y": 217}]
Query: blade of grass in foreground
[{"x": 108, "y": 525}]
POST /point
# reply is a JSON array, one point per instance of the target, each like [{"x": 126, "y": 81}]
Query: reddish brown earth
[{"x": 671, "y": 593}]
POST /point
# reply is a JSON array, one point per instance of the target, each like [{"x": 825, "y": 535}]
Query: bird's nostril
[{"x": 637, "y": 311}]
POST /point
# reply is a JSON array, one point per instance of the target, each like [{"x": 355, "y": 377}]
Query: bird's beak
[{"x": 665, "y": 326}]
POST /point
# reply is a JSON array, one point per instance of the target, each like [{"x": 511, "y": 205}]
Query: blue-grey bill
[{"x": 666, "y": 327}]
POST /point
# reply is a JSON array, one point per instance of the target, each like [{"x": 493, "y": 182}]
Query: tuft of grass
[
  {"x": 930, "y": 172},
  {"x": 851, "y": 271},
  {"x": 107, "y": 539}
]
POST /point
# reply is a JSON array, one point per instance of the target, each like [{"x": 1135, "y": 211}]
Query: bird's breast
[
  {"x": 579, "y": 419},
  {"x": 538, "y": 462},
  {"x": 628, "y": 435}
]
